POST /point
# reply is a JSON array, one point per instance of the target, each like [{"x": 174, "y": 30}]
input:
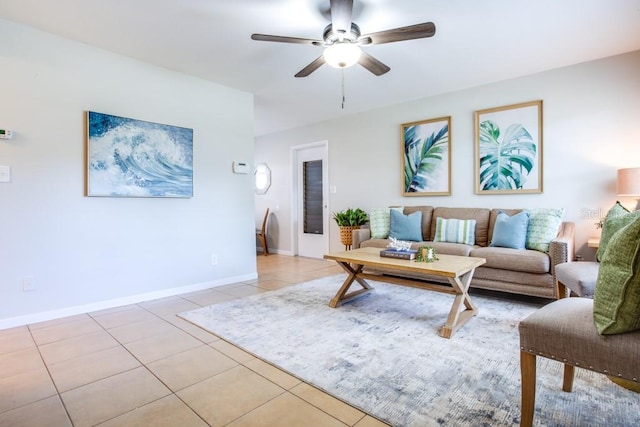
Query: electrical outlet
[
  {"x": 28, "y": 283},
  {"x": 214, "y": 259},
  {"x": 5, "y": 173}
]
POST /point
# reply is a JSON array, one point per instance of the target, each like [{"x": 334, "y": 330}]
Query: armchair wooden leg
[
  {"x": 528, "y": 378},
  {"x": 567, "y": 378},
  {"x": 561, "y": 290}
]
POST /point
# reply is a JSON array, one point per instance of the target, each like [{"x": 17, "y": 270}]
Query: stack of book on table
[{"x": 394, "y": 253}]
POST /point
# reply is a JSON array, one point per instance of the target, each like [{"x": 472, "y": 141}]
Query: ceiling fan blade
[
  {"x": 311, "y": 67},
  {"x": 284, "y": 39},
  {"x": 372, "y": 64},
  {"x": 341, "y": 11},
  {"x": 418, "y": 31}
]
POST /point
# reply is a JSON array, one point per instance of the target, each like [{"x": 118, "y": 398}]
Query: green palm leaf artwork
[
  {"x": 426, "y": 158},
  {"x": 506, "y": 160}
]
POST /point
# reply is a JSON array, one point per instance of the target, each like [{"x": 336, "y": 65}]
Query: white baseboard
[
  {"x": 275, "y": 251},
  {"x": 289, "y": 253},
  {"x": 28, "y": 319}
]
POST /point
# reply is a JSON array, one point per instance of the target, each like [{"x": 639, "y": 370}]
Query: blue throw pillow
[
  {"x": 510, "y": 231},
  {"x": 406, "y": 227}
]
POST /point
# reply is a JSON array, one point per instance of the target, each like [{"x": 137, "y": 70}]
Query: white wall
[
  {"x": 86, "y": 252},
  {"x": 591, "y": 128}
]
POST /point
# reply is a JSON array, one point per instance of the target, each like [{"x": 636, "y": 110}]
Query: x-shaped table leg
[
  {"x": 459, "y": 315},
  {"x": 342, "y": 296}
]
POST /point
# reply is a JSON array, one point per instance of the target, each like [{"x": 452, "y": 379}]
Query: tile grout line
[
  {"x": 55, "y": 386},
  {"x": 312, "y": 268},
  {"x": 171, "y": 392}
]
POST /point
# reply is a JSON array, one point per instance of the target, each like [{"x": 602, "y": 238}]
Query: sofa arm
[
  {"x": 562, "y": 248},
  {"x": 359, "y": 235}
]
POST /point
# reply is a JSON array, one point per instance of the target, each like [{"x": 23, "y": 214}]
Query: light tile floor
[{"x": 140, "y": 365}]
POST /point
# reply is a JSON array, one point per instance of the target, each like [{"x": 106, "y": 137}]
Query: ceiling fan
[{"x": 342, "y": 41}]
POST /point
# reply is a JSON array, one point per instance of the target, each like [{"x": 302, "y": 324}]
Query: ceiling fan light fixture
[{"x": 342, "y": 54}]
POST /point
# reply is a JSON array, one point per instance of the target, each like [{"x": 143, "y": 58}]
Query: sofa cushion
[
  {"x": 380, "y": 222},
  {"x": 447, "y": 248},
  {"x": 406, "y": 227},
  {"x": 510, "y": 231},
  {"x": 481, "y": 215},
  {"x": 543, "y": 228},
  {"x": 617, "y": 217},
  {"x": 616, "y": 306},
  {"x": 375, "y": 243},
  {"x": 442, "y": 248},
  {"x": 427, "y": 214},
  {"x": 513, "y": 281},
  {"x": 455, "y": 231},
  {"x": 528, "y": 261}
]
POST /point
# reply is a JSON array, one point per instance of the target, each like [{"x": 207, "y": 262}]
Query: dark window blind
[{"x": 312, "y": 185}]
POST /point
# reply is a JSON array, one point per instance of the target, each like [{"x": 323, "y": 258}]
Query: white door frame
[{"x": 295, "y": 190}]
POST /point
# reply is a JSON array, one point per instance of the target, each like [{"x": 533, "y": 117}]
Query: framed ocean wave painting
[
  {"x": 426, "y": 158},
  {"x": 508, "y": 149},
  {"x": 135, "y": 158}
]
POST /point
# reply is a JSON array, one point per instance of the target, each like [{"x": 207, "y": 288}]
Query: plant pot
[{"x": 345, "y": 234}]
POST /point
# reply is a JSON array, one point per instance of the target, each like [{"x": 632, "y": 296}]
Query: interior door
[{"x": 311, "y": 194}]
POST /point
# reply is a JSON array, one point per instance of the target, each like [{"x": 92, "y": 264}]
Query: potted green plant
[{"x": 349, "y": 220}]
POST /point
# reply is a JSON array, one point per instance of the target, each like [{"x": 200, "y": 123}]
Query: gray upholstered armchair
[{"x": 564, "y": 331}]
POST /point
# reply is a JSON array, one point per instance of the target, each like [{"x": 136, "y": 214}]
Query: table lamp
[{"x": 629, "y": 183}]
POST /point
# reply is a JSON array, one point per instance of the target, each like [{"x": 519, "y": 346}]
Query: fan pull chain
[{"x": 343, "y": 96}]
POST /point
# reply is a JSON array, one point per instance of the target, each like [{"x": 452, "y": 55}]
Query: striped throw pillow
[{"x": 455, "y": 231}]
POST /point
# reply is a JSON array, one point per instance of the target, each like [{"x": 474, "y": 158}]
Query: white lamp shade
[
  {"x": 342, "y": 54},
  {"x": 629, "y": 182}
]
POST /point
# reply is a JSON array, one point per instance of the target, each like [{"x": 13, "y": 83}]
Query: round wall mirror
[{"x": 262, "y": 176}]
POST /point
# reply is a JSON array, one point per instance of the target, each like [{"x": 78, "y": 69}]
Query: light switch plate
[{"x": 5, "y": 173}]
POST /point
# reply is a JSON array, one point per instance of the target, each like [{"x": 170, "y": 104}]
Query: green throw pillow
[
  {"x": 542, "y": 228},
  {"x": 617, "y": 217},
  {"x": 616, "y": 302},
  {"x": 455, "y": 231},
  {"x": 379, "y": 222}
]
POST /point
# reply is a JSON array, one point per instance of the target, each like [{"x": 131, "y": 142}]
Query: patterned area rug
[{"x": 382, "y": 353}]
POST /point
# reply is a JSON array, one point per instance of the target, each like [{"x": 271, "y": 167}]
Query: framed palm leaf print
[
  {"x": 508, "y": 149},
  {"x": 426, "y": 157}
]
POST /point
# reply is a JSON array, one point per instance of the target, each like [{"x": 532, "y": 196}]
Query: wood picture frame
[
  {"x": 135, "y": 158},
  {"x": 426, "y": 157},
  {"x": 508, "y": 149}
]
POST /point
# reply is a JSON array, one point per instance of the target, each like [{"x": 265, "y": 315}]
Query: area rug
[{"x": 382, "y": 353}]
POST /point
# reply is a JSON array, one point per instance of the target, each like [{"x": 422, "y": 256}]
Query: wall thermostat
[
  {"x": 240, "y": 167},
  {"x": 5, "y": 134}
]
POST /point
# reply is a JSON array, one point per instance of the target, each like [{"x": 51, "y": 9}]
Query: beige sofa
[{"x": 519, "y": 271}]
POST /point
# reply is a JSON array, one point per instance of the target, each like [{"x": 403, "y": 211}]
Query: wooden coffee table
[{"x": 458, "y": 270}]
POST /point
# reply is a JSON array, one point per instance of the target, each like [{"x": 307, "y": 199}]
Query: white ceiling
[{"x": 476, "y": 42}]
